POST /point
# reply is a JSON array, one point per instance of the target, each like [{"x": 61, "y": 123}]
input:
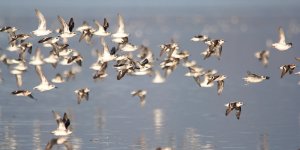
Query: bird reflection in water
[
  {"x": 264, "y": 138},
  {"x": 10, "y": 141},
  {"x": 63, "y": 140},
  {"x": 37, "y": 135},
  {"x": 192, "y": 141},
  {"x": 141, "y": 144},
  {"x": 100, "y": 118},
  {"x": 158, "y": 120}
]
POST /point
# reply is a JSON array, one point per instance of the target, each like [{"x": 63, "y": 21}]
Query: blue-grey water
[{"x": 177, "y": 113}]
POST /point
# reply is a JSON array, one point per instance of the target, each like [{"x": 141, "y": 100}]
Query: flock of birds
[{"x": 121, "y": 55}]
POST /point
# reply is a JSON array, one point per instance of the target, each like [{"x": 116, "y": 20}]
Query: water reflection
[
  {"x": 158, "y": 116},
  {"x": 264, "y": 138},
  {"x": 9, "y": 141},
  {"x": 76, "y": 143},
  {"x": 100, "y": 119},
  {"x": 59, "y": 141},
  {"x": 141, "y": 144},
  {"x": 37, "y": 135},
  {"x": 192, "y": 141}
]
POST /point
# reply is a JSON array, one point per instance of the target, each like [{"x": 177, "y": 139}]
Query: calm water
[{"x": 178, "y": 113}]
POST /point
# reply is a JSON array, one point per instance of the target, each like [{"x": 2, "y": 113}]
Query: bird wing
[
  {"x": 56, "y": 115},
  {"x": 42, "y": 20},
  {"x": 59, "y": 121},
  {"x": 121, "y": 24},
  {"x": 19, "y": 80},
  {"x": 71, "y": 59},
  {"x": 284, "y": 70},
  {"x": 30, "y": 96},
  {"x": 238, "y": 112},
  {"x": 105, "y": 47},
  {"x": 121, "y": 73},
  {"x": 228, "y": 110},
  {"x": 40, "y": 73},
  {"x": 134, "y": 93},
  {"x": 71, "y": 24},
  {"x": 255, "y": 75},
  {"x": 83, "y": 34},
  {"x": 252, "y": 74},
  {"x": 105, "y": 24},
  {"x": 99, "y": 26},
  {"x": 61, "y": 125},
  {"x": 142, "y": 97},
  {"x": 79, "y": 62},
  {"x": 212, "y": 78},
  {"x": 87, "y": 95},
  {"x": 64, "y": 24},
  {"x": 66, "y": 120},
  {"x": 281, "y": 35},
  {"x": 220, "y": 86},
  {"x": 78, "y": 99}
]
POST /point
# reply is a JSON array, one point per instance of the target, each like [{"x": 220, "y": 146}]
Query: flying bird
[
  {"x": 42, "y": 29},
  {"x": 23, "y": 93},
  {"x": 141, "y": 94},
  {"x": 82, "y": 94},
  {"x": 44, "y": 84},
  {"x": 254, "y": 78},
  {"x": 281, "y": 45},
  {"x": 121, "y": 29},
  {"x": 101, "y": 30},
  {"x": 289, "y": 68},
  {"x": 63, "y": 125},
  {"x": 234, "y": 106},
  {"x": 66, "y": 30},
  {"x": 263, "y": 57}
]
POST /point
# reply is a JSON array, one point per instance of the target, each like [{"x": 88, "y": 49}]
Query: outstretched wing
[
  {"x": 57, "y": 117},
  {"x": 99, "y": 26},
  {"x": 284, "y": 70},
  {"x": 71, "y": 24},
  {"x": 42, "y": 20},
  {"x": 220, "y": 86},
  {"x": 228, "y": 110},
  {"x": 121, "y": 73},
  {"x": 105, "y": 24},
  {"x": 121, "y": 24},
  {"x": 105, "y": 46},
  {"x": 134, "y": 93},
  {"x": 238, "y": 112},
  {"x": 40, "y": 73},
  {"x": 281, "y": 35},
  {"x": 66, "y": 120},
  {"x": 19, "y": 80},
  {"x": 64, "y": 24},
  {"x": 142, "y": 97}
]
